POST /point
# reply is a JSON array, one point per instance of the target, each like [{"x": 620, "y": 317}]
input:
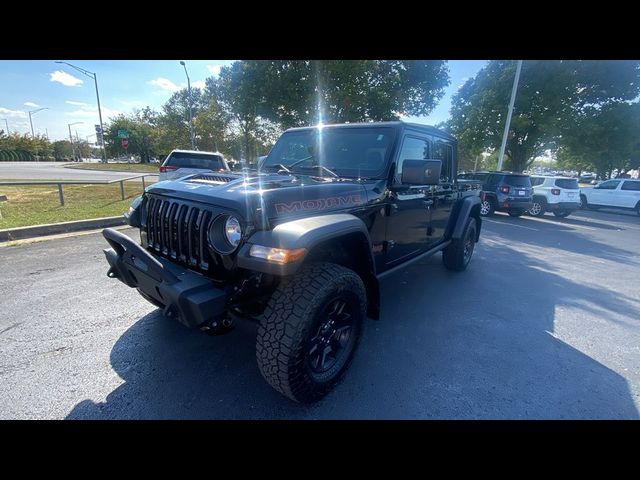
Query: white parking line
[
  {"x": 559, "y": 223},
  {"x": 511, "y": 225}
]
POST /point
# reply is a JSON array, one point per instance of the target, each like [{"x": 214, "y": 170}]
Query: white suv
[
  {"x": 560, "y": 195},
  {"x": 180, "y": 163},
  {"x": 617, "y": 193}
]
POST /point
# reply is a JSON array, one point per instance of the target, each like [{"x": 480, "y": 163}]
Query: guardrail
[{"x": 60, "y": 183}]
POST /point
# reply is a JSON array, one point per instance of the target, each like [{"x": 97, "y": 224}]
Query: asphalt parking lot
[{"x": 544, "y": 324}]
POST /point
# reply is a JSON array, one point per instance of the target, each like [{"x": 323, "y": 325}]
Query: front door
[{"x": 409, "y": 210}]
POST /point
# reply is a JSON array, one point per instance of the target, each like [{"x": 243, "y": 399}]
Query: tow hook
[{"x": 218, "y": 326}]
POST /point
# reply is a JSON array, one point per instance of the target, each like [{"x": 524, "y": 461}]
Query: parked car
[
  {"x": 616, "y": 193},
  {"x": 560, "y": 195},
  {"x": 180, "y": 163},
  {"x": 503, "y": 191}
]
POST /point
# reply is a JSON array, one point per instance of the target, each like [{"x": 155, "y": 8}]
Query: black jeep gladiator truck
[{"x": 300, "y": 244}]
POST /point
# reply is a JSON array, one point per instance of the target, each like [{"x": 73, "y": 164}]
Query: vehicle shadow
[{"x": 448, "y": 346}]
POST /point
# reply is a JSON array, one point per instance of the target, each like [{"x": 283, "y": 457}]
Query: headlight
[
  {"x": 225, "y": 234},
  {"x": 233, "y": 231},
  {"x": 132, "y": 216}
]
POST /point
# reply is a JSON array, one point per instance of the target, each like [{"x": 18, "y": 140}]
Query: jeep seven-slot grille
[{"x": 178, "y": 230}]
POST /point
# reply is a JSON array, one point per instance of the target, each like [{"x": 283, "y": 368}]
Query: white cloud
[
  {"x": 199, "y": 84},
  {"x": 65, "y": 79},
  {"x": 214, "y": 69},
  {"x": 31, "y": 104},
  {"x": 77, "y": 104},
  {"x": 12, "y": 113},
  {"x": 165, "y": 84},
  {"x": 90, "y": 112}
]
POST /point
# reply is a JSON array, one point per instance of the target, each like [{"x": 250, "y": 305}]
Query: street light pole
[
  {"x": 191, "y": 135},
  {"x": 31, "y": 121},
  {"x": 508, "y": 124},
  {"x": 7, "y": 124},
  {"x": 95, "y": 80}
]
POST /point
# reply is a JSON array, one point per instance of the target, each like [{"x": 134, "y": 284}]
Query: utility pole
[
  {"x": 193, "y": 139},
  {"x": 508, "y": 123},
  {"x": 95, "y": 80},
  {"x": 7, "y": 124}
]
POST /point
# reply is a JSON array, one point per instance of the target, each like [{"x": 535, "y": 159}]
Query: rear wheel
[
  {"x": 486, "y": 207},
  {"x": 310, "y": 330},
  {"x": 537, "y": 208},
  {"x": 458, "y": 254}
]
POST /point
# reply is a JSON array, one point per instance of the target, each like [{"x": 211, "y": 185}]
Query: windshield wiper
[
  {"x": 329, "y": 171},
  {"x": 280, "y": 167},
  {"x": 297, "y": 162}
]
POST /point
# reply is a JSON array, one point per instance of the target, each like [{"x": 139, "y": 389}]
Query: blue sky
[{"x": 124, "y": 85}]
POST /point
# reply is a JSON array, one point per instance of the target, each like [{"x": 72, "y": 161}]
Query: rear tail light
[
  {"x": 167, "y": 168},
  {"x": 504, "y": 189},
  {"x": 555, "y": 191}
]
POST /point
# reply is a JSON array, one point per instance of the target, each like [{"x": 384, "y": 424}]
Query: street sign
[
  {"x": 125, "y": 143},
  {"x": 98, "y": 129},
  {"x": 123, "y": 134}
]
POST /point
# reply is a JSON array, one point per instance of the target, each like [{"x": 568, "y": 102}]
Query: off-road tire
[
  {"x": 454, "y": 256},
  {"x": 291, "y": 321}
]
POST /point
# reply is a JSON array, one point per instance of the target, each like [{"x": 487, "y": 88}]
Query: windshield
[
  {"x": 196, "y": 160},
  {"x": 349, "y": 152}
]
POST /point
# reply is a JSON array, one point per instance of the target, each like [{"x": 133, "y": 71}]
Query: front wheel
[
  {"x": 310, "y": 330},
  {"x": 458, "y": 254},
  {"x": 583, "y": 202}
]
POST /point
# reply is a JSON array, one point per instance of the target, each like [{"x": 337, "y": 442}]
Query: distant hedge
[{"x": 16, "y": 156}]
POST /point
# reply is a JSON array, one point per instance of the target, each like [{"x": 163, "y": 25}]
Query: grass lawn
[
  {"x": 36, "y": 205},
  {"x": 119, "y": 167}
]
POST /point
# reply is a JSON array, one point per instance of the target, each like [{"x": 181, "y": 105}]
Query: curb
[{"x": 20, "y": 233}]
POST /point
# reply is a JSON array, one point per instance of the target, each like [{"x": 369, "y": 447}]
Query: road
[
  {"x": 54, "y": 171},
  {"x": 543, "y": 325}
]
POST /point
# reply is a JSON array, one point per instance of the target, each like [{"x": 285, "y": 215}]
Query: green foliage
[
  {"x": 602, "y": 138},
  {"x": 550, "y": 95},
  {"x": 143, "y": 134},
  {"x": 24, "y": 147}
]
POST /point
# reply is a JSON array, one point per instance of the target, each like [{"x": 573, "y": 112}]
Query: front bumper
[{"x": 190, "y": 297}]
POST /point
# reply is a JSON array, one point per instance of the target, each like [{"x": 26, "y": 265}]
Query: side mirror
[{"x": 421, "y": 172}]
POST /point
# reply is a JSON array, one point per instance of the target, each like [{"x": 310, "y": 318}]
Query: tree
[
  {"x": 603, "y": 138},
  {"x": 143, "y": 134},
  {"x": 62, "y": 150},
  {"x": 302, "y": 92},
  {"x": 173, "y": 123},
  {"x": 550, "y": 94}
]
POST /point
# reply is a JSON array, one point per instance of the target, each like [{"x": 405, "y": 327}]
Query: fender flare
[
  {"x": 464, "y": 212},
  {"x": 303, "y": 233}
]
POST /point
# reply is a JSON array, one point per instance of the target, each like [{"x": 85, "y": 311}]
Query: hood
[{"x": 270, "y": 197}]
